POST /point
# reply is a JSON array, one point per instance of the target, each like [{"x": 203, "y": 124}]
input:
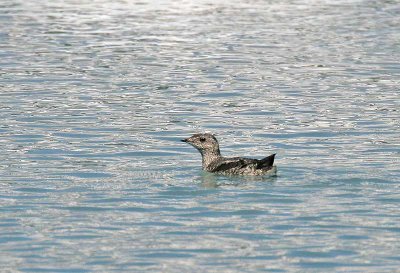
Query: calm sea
[{"x": 95, "y": 96}]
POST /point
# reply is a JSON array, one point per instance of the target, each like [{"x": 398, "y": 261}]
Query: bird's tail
[{"x": 266, "y": 162}]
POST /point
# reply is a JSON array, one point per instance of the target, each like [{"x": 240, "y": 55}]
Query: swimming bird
[{"x": 214, "y": 162}]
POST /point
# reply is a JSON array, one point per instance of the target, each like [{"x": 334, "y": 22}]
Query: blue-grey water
[{"x": 95, "y": 96}]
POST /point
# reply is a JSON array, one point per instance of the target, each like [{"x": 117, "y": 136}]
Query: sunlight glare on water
[{"x": 95, "y": 96}]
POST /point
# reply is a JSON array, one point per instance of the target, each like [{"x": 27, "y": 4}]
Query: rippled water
[{"x": 95, "y": 96}]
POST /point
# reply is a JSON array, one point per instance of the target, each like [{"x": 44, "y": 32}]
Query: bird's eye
[{"x": 202, "y": 139}]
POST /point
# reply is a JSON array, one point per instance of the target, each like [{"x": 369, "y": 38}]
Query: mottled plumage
[{"x": 213, "y": 162}]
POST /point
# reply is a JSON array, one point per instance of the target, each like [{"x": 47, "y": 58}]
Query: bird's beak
[{"x": 184, "y": 140}]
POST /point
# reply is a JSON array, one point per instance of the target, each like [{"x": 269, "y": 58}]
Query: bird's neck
[{"x": 209, "y": 156}]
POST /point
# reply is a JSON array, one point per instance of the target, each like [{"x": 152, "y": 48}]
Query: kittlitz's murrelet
[{"x": 213, "y": 162}]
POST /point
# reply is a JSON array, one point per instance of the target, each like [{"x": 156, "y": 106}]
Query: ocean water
[{"x": 95, "y": 96}]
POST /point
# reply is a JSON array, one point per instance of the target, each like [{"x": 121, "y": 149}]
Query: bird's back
[{"x": 242, "y": 165}]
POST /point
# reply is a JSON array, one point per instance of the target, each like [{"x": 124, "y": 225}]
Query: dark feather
[
  {"x": 266, "y": 162},
  {"x": 235, "y": 162}
]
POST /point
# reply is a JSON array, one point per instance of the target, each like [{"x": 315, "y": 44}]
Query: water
[{"x": 95, "y": 96}]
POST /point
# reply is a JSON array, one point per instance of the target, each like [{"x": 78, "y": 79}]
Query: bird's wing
[
  {"x": 266, "y": 162},
  {"x": 234, "y": 162}
]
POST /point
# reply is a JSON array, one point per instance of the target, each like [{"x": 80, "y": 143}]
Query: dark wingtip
[{"x": 267, "y": 161}]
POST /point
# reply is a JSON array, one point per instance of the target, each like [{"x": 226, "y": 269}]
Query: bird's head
[{"x": 205, "y": 143}]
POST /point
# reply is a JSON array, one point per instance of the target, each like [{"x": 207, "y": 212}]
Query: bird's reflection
[{"x": 210, "y": 180}]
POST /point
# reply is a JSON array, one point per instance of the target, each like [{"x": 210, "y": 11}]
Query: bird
[{"x": 214, "y": 162}]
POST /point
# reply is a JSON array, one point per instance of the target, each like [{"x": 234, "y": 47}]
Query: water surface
[{"x": 95, "y": 96}]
